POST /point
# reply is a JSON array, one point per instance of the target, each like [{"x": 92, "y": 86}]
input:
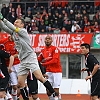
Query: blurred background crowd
[{"x": 55, "y": 16}]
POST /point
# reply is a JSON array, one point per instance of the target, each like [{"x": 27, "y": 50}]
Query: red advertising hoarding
[{"x": 67, "y": 43}]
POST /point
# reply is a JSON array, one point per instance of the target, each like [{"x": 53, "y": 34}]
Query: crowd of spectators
[{"x": 55, "y": 18}]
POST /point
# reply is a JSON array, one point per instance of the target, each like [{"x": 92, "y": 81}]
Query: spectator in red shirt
[
  {"x": 50, "y": 59},
  {"x": 63, "y": 31},
  {"x": 96, "y": 27},
  {"x": 88, "y": 28}
]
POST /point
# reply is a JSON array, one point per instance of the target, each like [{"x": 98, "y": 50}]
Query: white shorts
[
  {"x": 28, "y": 63},
  {"x": 54, "y": 79},
  {"x": 14, "y": 74}
]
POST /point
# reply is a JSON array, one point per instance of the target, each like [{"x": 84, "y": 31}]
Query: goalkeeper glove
[{"x": 1, "y": 16}]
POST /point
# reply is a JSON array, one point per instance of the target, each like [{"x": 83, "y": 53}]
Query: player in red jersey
[
  {"x": 50, "y": 59},
  {"x": 9, "y": 47}
]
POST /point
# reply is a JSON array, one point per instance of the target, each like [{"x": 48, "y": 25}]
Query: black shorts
[
  {"x": 95, "y": 88},
  {"x": 32, "y": 85},
  {"x": 4, "y": 83}
]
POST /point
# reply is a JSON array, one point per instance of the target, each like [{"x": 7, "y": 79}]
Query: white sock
[
  {"x": 56, "y": 98},
  {"x": 59, "y": 96},
  {"x": 8, "y": 95},
  {"x": 14, "y": 94},
  {"x": 38, "y": 98},
  {"x": 6, "y": 98},
  {"x": 51, "y": 97}
]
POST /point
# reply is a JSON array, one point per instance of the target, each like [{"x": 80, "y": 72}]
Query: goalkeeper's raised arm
[
  {"x": 6, "y": 25},
  {"x": 3, "y": 26}
]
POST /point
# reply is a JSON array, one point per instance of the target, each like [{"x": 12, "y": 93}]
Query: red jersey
[
  {"x": 9, "y": 47},
  {"x": 50, "y": 56}
]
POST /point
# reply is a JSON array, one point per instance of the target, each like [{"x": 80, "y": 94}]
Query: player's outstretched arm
[
  {"x": 3, "y": 26},
  {"x": 7, "y": 23}
]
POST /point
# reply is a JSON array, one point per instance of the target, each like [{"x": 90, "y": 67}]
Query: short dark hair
[
  {"x": 87, "y": 46},
  {"x": 22, "y": 20}
]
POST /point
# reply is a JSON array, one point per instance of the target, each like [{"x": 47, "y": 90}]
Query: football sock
[
  {"x": 59, "y": 96},
  {"x": 51, "y": 97},
  {"x": 24, "y": 93},
  {"x": 14, "y": 94},
  {"x": 38, "y": 98},
  {"x": 49, "y": 87}
]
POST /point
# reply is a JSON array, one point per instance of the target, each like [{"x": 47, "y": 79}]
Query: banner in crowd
[
  {"x": 67, "y": 43},
  {"x": 96, "y": 41}
]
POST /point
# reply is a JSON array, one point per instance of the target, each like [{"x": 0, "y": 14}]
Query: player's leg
[
  {"x": 34, "y": 66},
  {"x": 50, "y": 79},
  {"x": 18, "y": 93},
  {"x": 22, "y": 75},
  {"x": 3, "y": 87},
  {"x": 14, "y": 82},
  {"x": 95, "y": 87},
  {"x": 23, "y": 89},
  {"x": 33, "y": 89},
  {"x": 94, "y": 98},
  {"x": 37, "y": 73},
  {"x": 8, "y": 92},
  {"x": 98, "y": 89},
  {"x": 8, "y": 95},
  {"x": 2, "y": 95},
  {"x": 57, "y": 82},
  {"x": 35, "y": 97}
]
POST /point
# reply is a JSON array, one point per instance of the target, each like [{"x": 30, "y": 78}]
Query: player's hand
[
  {"x": 46, "y": 76},
  {"x": 88, "y": 77},
  {"x": 83, "y": 69},
  {"x": 1, "y": 16},
  {"x": 9, "y": 70}
]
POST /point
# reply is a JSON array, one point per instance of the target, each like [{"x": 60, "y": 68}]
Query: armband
[{"x": 17, "y": 30}]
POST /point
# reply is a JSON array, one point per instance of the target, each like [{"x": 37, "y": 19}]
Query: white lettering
[
  {"x": 32, "y": 38},
  {"x": 58, "y": 40},
  {"x": 64, "y": 49},
  {"x": 67, "y": 40},
  {"x": 41, "y": 40},
  {"x": 61, "y": 40},
  {"x": 64, "y": 40},
  {"x": 54, "y": 38}
]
